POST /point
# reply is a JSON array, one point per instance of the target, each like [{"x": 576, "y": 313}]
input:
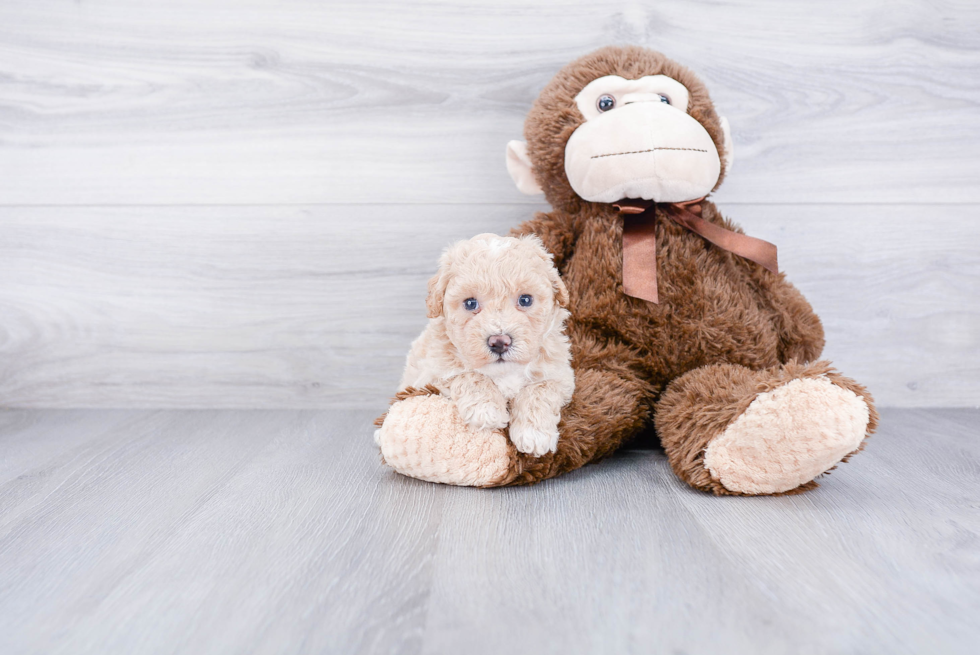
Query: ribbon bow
[{"x": 640, "y": 242}]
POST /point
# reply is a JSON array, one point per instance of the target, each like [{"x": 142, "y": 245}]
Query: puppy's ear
[
  {"x": 437, "y": 286},
  {"x": 561, "y": 291},
  {"x": 437, "y": 293}
]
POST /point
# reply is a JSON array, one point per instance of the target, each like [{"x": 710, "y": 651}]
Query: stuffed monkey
[{"x": 678, "y": 320}]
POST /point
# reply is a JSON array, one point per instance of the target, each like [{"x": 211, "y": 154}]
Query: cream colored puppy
[{"x": 495, "y": 344}]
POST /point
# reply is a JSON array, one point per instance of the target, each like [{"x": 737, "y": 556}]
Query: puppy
[{"x": 495, "y": 344}]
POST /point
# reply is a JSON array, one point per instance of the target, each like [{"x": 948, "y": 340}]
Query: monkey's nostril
[{"x": 499, "y": 343}]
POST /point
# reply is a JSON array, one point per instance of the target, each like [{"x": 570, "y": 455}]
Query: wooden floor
[{"x": 280, "y": 531}]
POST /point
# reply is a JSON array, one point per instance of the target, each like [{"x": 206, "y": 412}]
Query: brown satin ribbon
[{"x": 640, "y": 242}]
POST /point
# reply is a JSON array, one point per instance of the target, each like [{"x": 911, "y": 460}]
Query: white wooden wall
[{"x": 236, "y": 203}]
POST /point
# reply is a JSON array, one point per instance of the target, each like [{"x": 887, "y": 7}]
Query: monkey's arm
[
  {"x": 800, "y": 331},
  {"x": 556, "y": 230}
]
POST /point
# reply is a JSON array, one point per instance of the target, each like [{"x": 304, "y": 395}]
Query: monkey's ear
[
  {"x": 729, "y": 154},
  {"x": 519, "y": 167}
]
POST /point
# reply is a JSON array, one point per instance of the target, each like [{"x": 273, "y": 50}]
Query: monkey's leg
[
  {"x": 731, "y": 430},
  {"x": 609, "y": 407},
  {"x": 423, "y": 437}
]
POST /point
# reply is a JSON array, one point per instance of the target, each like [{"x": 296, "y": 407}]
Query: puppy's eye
[
  {"x": 605, "y": 102},
  {"x": 471, "y": 304},
  {"x": 664, "y": 99},
  {"x": 525, "y": 300}
]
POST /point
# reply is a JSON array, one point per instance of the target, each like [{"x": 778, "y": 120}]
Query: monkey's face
[
  {"x": 622, "y": 123},
  {"x": 638, "y": 141}
]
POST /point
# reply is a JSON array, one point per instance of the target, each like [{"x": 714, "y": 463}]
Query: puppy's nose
[{"x": 499, "y": 343}]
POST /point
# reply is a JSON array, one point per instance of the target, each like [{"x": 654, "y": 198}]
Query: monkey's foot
[
  {"x": 728, "y": 429},
  {"x": 423, "y": 437},
  {"x": 787, "y": 437}
]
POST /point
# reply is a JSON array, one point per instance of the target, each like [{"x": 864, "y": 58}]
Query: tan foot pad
[
  {"x": 787, "y": 437},
  {"x": 423, "y": 437}
]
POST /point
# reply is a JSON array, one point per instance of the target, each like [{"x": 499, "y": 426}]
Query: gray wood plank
[
  {"x": 607, "y": 560},
  {"x": 622, "y": 558},
  {"x": 310, "y": 102},
  {"x": 316, "y": 306},
  {"x": 903, "y": 511},
  {"x": 27, "y": 439},
  {"x": 279, "y": 531},
  {"x": 232, "y": 516}
]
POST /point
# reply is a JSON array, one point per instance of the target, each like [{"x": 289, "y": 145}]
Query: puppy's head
[{"x": 501, "y": 298}]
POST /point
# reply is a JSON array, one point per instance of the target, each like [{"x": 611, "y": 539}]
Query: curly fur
[{"x": 526, "y": 386}]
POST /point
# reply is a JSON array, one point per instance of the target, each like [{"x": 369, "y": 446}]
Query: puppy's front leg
[
  {"x": 535, "y": 412},
  {"x": 478, "y": 401}
]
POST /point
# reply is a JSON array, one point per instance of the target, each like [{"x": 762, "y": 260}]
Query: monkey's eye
[
  {"x": 525, "y": 300},
  {"x": 664, "y": 99},
  {"x": 470, "y": 304},
  {"x": 605, "y": 102}
]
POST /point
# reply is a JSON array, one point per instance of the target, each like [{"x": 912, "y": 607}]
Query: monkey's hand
[
  {"x": 535, "y": 413},
  {"x": 478, "y": 401}
]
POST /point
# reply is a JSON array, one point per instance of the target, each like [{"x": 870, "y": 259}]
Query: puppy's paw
[
  {"x": 483, "y": 415},
  {"x": 534, "y": 440}
]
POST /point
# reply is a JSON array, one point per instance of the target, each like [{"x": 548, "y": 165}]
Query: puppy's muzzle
[{"x": 499, "y": 343}]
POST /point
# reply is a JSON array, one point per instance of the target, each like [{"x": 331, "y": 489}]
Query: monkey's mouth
[{"x": 640, "y": 152}]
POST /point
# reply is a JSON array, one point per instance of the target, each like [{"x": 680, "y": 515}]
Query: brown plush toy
[{"x": 675, "y": 320}]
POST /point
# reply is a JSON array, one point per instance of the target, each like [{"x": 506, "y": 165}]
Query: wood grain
[
  {"x": 236, "y": 204},
  {"x": 228, "y": 102},
  {"x": 316, "y": 306},
  {"x": 280, "y": 531}
]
